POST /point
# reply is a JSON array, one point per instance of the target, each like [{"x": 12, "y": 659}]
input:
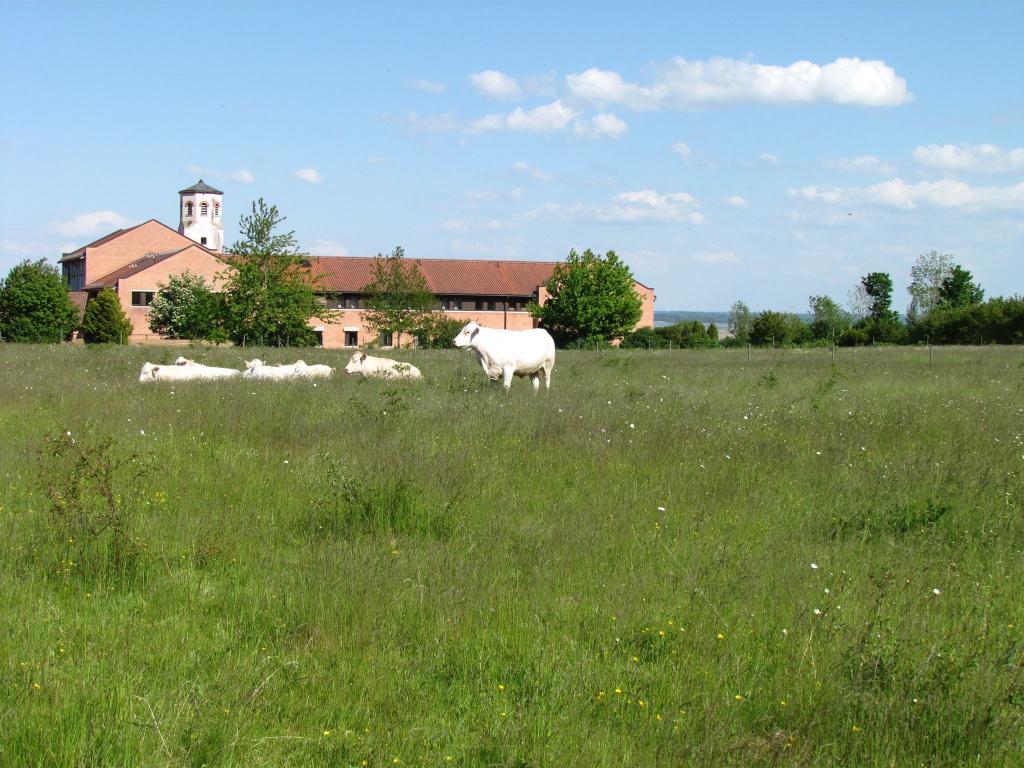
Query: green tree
[
  {"x": 105, "y": 321},
  {"x": 268, "y": 290},
  {"x": 958, "y": 289},
  {"x": 739, "y": 322},
  {"x": 398, "y": 298},
  {"x": 34, "y": 304},
  {"x": 185, "y": 308},
  {"x": 829, "y": 319},
  {"x": 777, "y": 328},
  {"x": 712, "y": 332},
  {"x": 878, "y": 287},
  {"x": 438, "y": 332},
  {"x": 926, "y": 277},
  {"x": 591, "y": 298}
]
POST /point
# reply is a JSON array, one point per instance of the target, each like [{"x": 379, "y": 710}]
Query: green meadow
[{"x": 670, "y": 559}]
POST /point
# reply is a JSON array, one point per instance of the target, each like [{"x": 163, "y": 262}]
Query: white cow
[
  {"x": 257, "y": 369},
  {"x": 151, "y": 372},
  {"x": 381, "y": 367},
  {"x": 504, "y": 354},
  {"x": 211, "y": 372}
]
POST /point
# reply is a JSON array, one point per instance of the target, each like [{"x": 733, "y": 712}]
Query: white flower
[
  {"x": 936, "y": 591},
  {"x": 142, "y": 432},
  {"x": 661, "y": 509},
  {"x": 632, "y": 426},
  {"x": 817, "y": 611},
  {"x": 814, "y": 566}
]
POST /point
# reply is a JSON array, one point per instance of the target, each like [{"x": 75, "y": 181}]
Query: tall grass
[{"x": 671, "y": 559}]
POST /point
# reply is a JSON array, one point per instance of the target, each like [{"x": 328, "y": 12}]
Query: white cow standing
[
  {"x": 504, "y": 354},
  {"x": 381, "y": 367},
  {"x": 195, "y": 372}
]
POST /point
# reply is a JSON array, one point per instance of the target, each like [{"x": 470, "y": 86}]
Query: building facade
[{"x": 134, "y": 262}]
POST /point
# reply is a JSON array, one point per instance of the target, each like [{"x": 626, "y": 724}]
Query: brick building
[{"x": 134, "y": 262}]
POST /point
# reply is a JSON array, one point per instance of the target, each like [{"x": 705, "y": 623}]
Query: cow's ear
[
  {"x": 363, "y": 358},
  {"x": 474, "y": 333}
]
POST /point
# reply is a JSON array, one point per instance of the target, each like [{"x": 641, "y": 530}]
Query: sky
[{"x": 753, "y": 151}]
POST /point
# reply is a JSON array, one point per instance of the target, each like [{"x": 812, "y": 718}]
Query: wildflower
[
  {"x": 327, "y": 733},
  {"x": 618, "y": 691},
  {"x": 783, "y": 702},
  {"x": 501, "y": 687},
  {"x": 817, "y": 611},
  {"x": 738, "y": 697},
  {"x": 720, "y": 636},
  {"x": 936, "y": 591},
  {"x": 661, "y": 509},
  {"x": 857, "y": 729},
  {"x": 37, "y": 686},
  {"x": 814, "y": 566}
]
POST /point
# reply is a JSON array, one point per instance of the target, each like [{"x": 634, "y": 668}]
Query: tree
[
  {"x": 739, "y": 322},
  {"x": 105, "y": 321},
  {"x": 958, "y": 289},
  {"x": 591, "y": 298},
  {"x": 829, "y": 319},
  {"x": 438, "y": 332},
  {"x": 712, "y": 332},
  {"x": 34, "y": 304},
  {"x": 268, "y": 291},
  {"x": 398, "y": 298},
  {"x": 926, "y": 277},
  {"x": 878, "y": 287},
  {"x": 185, "y": 308},
  {"x": 777, "y": 328}
]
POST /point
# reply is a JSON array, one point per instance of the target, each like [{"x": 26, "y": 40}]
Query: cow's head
[
  {"x": 148, "y": 372},
  {"x": 184, "y": 361},
  {"x": 250, "y": 364},
  {"x": 355, "y": 364},
  {"x": 467, "y": 335}
]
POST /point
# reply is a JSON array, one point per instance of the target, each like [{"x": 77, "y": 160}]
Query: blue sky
[{"x": 755, "y": 151}]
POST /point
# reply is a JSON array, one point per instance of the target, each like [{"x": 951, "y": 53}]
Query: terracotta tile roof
[
  {"x": 446, "y": 277},
  {"x": 145, "y": 262}
]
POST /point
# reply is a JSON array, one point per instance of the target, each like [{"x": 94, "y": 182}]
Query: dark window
[
  {"x": 468, "y": 305},
  {"x": 203, "y": 208},
  {"x": 74, "y": 274},
  {"x": 188, "y": 209},
  {"x": 351, "y": 301},
  {"x": 386, "y": 339},
  {"x": 351, "y": 338},
  {"x": 142, "y": 298},
  {"x": 216, "y": 209},
  {"x": 202, "y": 241},
  {"x": 319, "y": 338}
]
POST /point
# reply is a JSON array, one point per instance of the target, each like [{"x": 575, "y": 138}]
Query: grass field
[{"x": 671, "y": 559}]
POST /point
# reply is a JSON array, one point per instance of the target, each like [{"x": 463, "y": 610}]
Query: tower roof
[{"x": 200, "y": 186}]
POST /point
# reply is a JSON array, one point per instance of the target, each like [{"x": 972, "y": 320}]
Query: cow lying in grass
[
  {"x": 257, "y": 369},
  {"x": 381, "y": 367},
  {"x": 504, "y": 354},
  {"x": 185, "y": 372}
]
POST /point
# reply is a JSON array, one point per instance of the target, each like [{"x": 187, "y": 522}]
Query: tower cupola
[{"x": 201, "y": 216}]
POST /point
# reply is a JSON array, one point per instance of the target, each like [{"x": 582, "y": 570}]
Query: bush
[
  {"x": 778, "y": 329},
  {"x": 644, "y": 338},
  {"x": 998, "y": 321},
  {"x": 438, "y": 332},
  {"x": 186, "y": 308},
  {"x": 34, "y": 304},
  {"x": 105, "y": 322}
]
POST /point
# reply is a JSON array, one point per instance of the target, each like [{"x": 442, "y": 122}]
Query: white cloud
[
  {"x": 897, "y": 193},
  {"x": 467, "y": 224},
  {"x": 643, "y": 206},
  {"x": 601, "y": 126},
  {"x": 769, "y": 158},
  {"x": 431, "y": 123},
  {"x": 308, "y": 174},
  {"x": 496, "y": 85},
  {"x": 92, "y": 223},
  {"x": 534, "y": 173},
  {"x": 427, "y": 86},
  {"x": 683, "y": 150},
  {"x": 716, "y": 257},
  {"x": 327, "y": 248},
  {"x": 543, "y": 119},
  {"x": 862, "y": 164},
  {"x": 681, "y": 84},
  {"x": 241, "y": 176},
  {"x": 516, "y": 193},
  {"x": 736, "y": 201},
  {"x": 987, "y": 158}
]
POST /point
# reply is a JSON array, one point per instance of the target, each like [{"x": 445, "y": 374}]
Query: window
[
  {"x": 203, "y": 209},
  {"x": 386, "y": 339},
  {"x": 74, "y": 274},
  {"x": 188, "y": 209},
  {"x": 319, "y": 338},
  {"x": 216, "y": 209},
  {"x": 468, "y": 304},
  {"x": 202, "y": 241},
  {"x": 351, "y": 338},
  {"x": 142, "y": 298},
  {"x": 351, "y": 301}
]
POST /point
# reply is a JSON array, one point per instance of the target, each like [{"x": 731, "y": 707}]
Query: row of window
[
  {"x": 450, "y": 303},
  {"x": 204, "y": 209}
]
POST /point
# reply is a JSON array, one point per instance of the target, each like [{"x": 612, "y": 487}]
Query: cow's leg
[
  {"x": 547, "y": 375},
  {"x": 507, "y": 374},
  {"x": 535, "y": 378}
]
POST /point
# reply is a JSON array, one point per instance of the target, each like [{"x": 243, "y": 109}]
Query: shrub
[
  {"x": 105, "y": 321},
  {"x": 186, "y": 308},
  {"x": 438, "y": 332},
  {"x": 34, "y": 305}
]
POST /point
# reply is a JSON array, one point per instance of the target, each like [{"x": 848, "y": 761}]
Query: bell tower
[{"x": 201, "y": 217}]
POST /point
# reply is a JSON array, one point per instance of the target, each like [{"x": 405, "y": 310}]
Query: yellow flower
[
  {"x": 618, "y": 691},
  {"x": 856, "y": 729},
  {"x": 37, "y": 686},
  {"x": 327, "y": 733},
  {"x": 738, "y": 697},
  {"x": 501, "y": 687},
  {"x": 720, "y": 636}
]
